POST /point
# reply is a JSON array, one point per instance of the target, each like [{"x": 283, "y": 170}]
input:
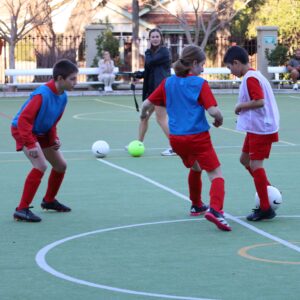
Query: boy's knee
[
  {"x": 42, "y": 167},
  {"x": 62, "y": 167}
]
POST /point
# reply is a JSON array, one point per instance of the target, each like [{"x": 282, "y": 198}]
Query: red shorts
[
  {"x": 258, "y": 146},
  {"x": 42, "y": 140},
  {"x": 195, "y": 147}
]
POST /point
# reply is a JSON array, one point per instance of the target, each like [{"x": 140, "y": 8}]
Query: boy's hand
[
  {"x": 218, "y": 122},
  {"x": 56, "y": 144},
  {"x": 237, "y": 109}
]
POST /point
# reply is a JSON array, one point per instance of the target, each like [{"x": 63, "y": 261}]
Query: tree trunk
[
  {"x": 135, "y": 35},
  {"x": 12, "y": 62}
]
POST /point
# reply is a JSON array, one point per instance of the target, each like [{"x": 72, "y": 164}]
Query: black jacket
[{"x": 157, "y": 67}]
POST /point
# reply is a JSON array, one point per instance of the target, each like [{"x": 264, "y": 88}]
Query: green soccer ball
[{"x": 136, "y": 148}]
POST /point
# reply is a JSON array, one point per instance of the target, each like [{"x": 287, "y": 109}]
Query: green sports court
[{"x": 129, "y": 235}]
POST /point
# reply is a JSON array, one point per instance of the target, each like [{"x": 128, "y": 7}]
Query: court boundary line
[
  {"x": 40, "y": 259},
  {"x": 152, "y": 148},
  {"x": 227, "y": 215}
]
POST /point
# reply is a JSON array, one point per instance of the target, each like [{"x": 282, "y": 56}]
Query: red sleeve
[
  {"x": 254, "y": 89},
  {"x": 158, "y": 97},
  {"x": 206, "y": 97},
  {"x": 52, "y": 134},
  {"x": 26, "y": 121}
]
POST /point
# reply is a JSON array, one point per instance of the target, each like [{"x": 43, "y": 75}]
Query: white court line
[
  {"x": 114, "y": 104},
  {"x": 241, "y": 222},
  {"x": 40, "y": 259},
  {"x": 150, "y": 149},
  {"x": 295, "y": 97}
]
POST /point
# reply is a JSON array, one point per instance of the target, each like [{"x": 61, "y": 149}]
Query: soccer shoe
[
  {"x": 217, "y": 217},
  {"x": 55, "y": 205},
  {"x": 168, "y": 152},
  {"x": 196, "y": 210},
  {"x": 259, "y": 214},
  {"x": 27, "y": 215}
]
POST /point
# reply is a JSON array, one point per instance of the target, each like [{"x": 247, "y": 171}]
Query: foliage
[
  {"x": 239, "y": 25},
  {"x": 282, "y": 13},
  {"x": 278, "y": 56},
  {"x": 106, "y": 42}
]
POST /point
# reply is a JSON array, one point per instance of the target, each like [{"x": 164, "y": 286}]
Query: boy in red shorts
[
  {"x": 186, "y": 96},
  {"x": 258, "y": 116},
  {"x": 34, "y": 129}
]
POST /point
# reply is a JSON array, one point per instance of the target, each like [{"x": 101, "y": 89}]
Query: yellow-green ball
[{"x": 136, "y": 148}]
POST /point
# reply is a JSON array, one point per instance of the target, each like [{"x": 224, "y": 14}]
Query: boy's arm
[
  {"x": 26, "y": 121},
  {"x": 249, "y": 105},
  {"x": 209, "y": 102},
  {"x": 216, "y": 114},
  {"x": 52, "y": 134},
  {"x": 256, "y": 95}
]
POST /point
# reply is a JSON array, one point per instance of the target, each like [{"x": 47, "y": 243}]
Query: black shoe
[
  {"x": 259, "y": 214},
  {"x": 196, "y": 210},
  {"x": 27, "y": 215},
  {"x": 55, "y": 205},
  {"x": 218, "y": 219}
]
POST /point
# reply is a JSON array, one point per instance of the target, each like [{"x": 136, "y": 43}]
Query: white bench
[
  {"x": 15, "y": 73},
  {"x": 277, "y": 71}
]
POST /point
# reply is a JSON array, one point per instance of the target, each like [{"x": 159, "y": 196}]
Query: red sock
[
  {"x": 217, "y": 193},
  {"x": 251, "y": 172},
  {"x": 31, "y": 185},
  {"x": 261, "y": 184},
  {"x": 54, "y": 183},
  {"x": 195, "y": 187}
]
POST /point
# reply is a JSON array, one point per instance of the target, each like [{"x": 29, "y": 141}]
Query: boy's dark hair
[
  {"x": 236, "y": 53},
  {"x": 64, "y": 68}
]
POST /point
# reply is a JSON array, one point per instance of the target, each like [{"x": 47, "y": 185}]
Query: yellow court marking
[{"x": 244, "y": 253}]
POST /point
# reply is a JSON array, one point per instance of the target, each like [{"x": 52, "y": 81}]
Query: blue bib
[
  {"x": 186, "y": 115},
  {"x": 52, "y": 107}
]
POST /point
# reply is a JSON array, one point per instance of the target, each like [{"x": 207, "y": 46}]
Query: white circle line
[
  {"x": 40, "y": 259},
  {"x": 227, "y": 215}
]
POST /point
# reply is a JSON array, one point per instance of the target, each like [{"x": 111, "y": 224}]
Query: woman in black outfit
[{"x": 157, "y": 67}]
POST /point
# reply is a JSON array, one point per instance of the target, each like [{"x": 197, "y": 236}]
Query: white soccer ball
[
  {"x": 100, "y": 149},
  {"x": 275, "y": 197}
]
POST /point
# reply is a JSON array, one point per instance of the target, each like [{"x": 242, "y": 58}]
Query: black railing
[{"x": 43, "y": 51}]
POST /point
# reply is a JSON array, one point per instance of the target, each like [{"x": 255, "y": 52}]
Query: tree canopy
[{"x": 282, "y": 13}]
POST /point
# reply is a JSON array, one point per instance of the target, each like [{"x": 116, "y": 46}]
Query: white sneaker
[
  {"x": 168, "y": 152},
  {"x": 295, "y": 86}
]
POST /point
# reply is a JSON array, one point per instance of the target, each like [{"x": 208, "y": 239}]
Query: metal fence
[{"x": 43, "y": 51}]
